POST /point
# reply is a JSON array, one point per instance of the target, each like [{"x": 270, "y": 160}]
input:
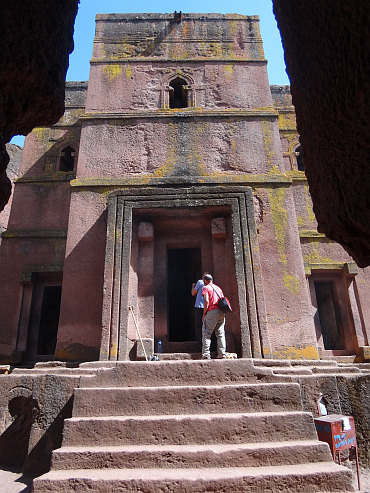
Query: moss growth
[
  {"x": 314, "y": 256},
  {"x": 128, "y": 72},
  {"x": 287, "y": 121},
  {"x": 113, "y": 351},
  {"x": 112, "y": 70},
  {"x": 297, "y": 352},
  {"x": 280, "y": 222},
  {"x": 267, "y": 138},
  {"x": 229, "y": 70},
  {"x": 310, "y": 213}
]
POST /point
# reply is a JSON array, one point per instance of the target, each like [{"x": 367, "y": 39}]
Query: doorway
[
  {"x": 184, "y": 268},
  {"x": 327, "y": 306},
  {"x": 44, "y": 319}
]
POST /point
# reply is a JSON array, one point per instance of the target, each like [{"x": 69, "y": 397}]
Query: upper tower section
[
  {"x": 148, "y": 62},
  {"x": 177, "y": 37}
]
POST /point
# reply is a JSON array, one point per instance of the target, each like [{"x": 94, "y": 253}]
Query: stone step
[
  {"x": 270, "y": 362},
  {"x": 314, "y": 362},
  {"x": 189, "y": 429},
  {"x": 321, "y": 370},
  {"x": 294, "y": 362},
  {"x": 54, "y": 371},
  {"x": 338, "y": 370},
  {"x": 303, "y": 478},
  {"x": 298, "y": 370},
  {"x": 175, "y": 373},
  {"x": 208, "y": 399},
  {"x": 191, "y": 456}
]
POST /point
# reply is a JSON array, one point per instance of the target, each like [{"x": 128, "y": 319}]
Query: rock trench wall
[
  {"x": 327, "y": 58},
  {"x": 36, "y": 38}
]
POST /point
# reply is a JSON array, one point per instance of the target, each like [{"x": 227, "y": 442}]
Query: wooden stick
[{"x": 137, "y": 330}]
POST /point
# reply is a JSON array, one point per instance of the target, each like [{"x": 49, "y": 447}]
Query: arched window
[
  {"x": 67, "y": 159},
  {"x": 178, "y": 93},
  {"x": 300, "y": 163}
]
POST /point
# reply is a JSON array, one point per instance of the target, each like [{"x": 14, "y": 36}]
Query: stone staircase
[
  {"x": 190, "y": 426},
  {"x": 328, "y": 367}
]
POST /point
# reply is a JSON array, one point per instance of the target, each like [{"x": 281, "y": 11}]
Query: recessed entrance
[
  {"x": 328, "y": 315},
  {"x": 184, "y": 268},
  {"x": 49, "y": 319},
  {"x": 142, "y": 272},
  {"x": 44, "y": 320}
]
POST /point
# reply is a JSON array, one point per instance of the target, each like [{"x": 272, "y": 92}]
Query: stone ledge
[
  {"x": 28, "y": 270},
  {"x": 150, "y": 180},
  {"x": 191, "y": 112},
  {"x": 129, "y": 59},
  {"x": 350, "y": 268},
  {"x": 311, "y": 233},
  {"x": 34, "y": 233},
  {"x": 47, "y": 178}
]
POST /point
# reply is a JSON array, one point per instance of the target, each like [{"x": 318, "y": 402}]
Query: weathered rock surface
[
  {"x": 36, "y": 39},
  {"x": 15, "y": 153},
  {"x": 162, "y": 433},
  {"x": 326, "y": 53}
]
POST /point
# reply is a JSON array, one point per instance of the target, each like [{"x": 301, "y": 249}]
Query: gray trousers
[{"x": 214, "y": 321}]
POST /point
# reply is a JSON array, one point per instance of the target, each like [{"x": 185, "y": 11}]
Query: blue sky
[{"x": 85, "y": 28}]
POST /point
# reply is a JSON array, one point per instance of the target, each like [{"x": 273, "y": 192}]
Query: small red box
[
  {"x": 339, "y": 432},
  {"x": 330, "y": 430}
]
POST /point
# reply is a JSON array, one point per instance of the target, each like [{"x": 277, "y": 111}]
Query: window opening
[
  {"x": 178, "y": 93},
  {"x": 300, "y": 163},
  {"x": 67, "y": 160},
  {"x": 328, "y": 315}
]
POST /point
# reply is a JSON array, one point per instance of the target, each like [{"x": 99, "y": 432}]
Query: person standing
[
  {"x": 196, "y": 289},
  {"x": 213, "y": 319}
]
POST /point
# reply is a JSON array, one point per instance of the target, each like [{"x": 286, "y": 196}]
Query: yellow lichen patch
[
  {"x": 229, "y": 70},
  {"x": 128, "y": 72},
  {"x": 300, "y": 221},
  {"x": 113, "y": 350},
  {"x": 112, "y": 70},
  {"x": 267, "y": 138},
  {"x": 280, "y": 221},
  {"x": 291, "y": 282},
  {"x": 39, "y": 132},
  {"x": 266, "y": 352},
  {"x": 314, "y": 257},
  {"x": 287, "y": 121},
  {"x": 310, "y": 213},
  {"x": 297, "y": 352},
  {"x": 214, "y": 50}
]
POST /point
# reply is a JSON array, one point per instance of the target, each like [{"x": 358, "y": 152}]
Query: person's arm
[
  {"x": 193, "y": 290},
  {"x": 206, "y": 304}
]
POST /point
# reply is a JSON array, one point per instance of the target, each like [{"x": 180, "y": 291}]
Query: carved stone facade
[{"x": 176, "y": 132}]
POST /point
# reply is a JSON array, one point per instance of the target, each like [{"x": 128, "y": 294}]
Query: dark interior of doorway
[
  {"x": 328, "y": 309},
  {"x": 49, "y": 319},
  {"x": 184, "y": 268}
]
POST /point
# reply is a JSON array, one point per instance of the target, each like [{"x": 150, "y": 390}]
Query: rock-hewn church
[{"x": 175, "y": 158}]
